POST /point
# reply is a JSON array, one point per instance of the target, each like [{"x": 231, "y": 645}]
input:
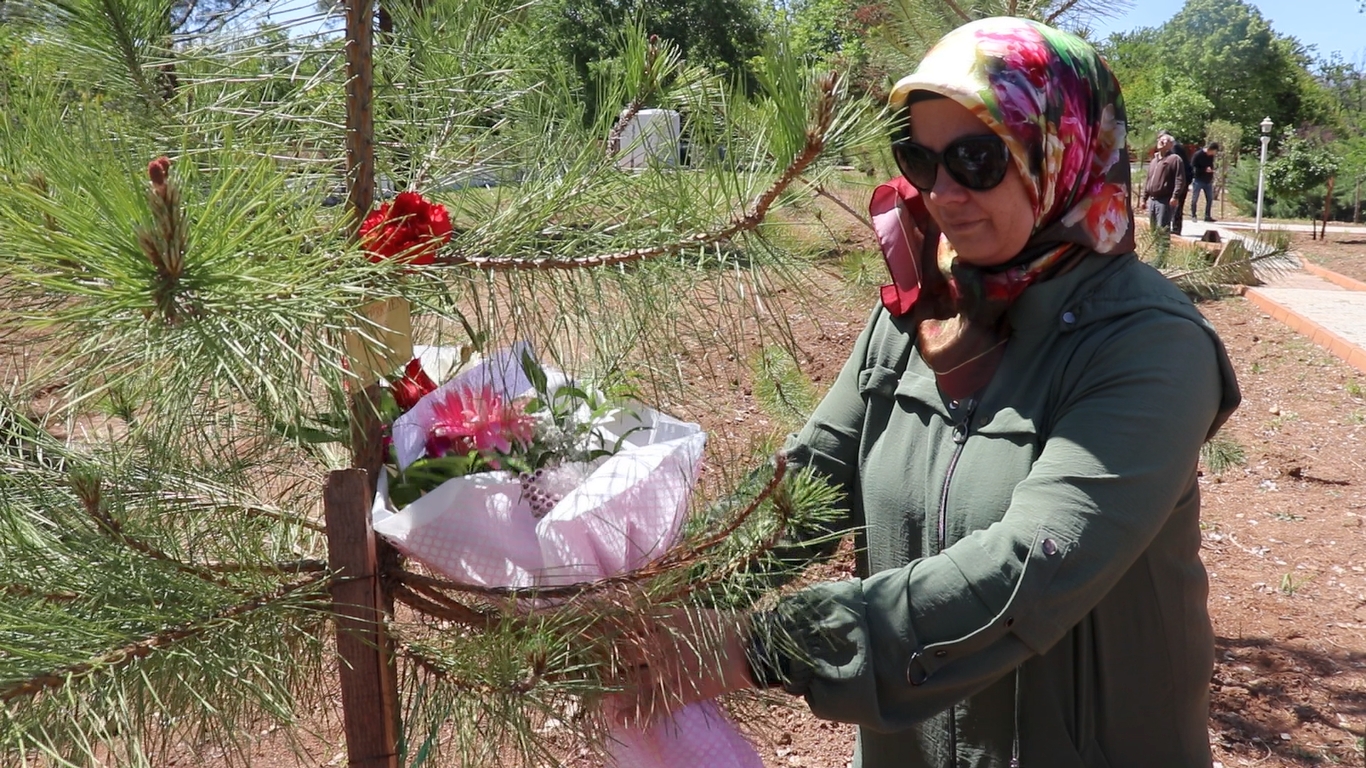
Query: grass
[
  {"x": 1222, "y": 453},
  {"x": 1353, "y": 388},
  {"x": 1290, "y": 585},
  {"x": 863, "y": 268},
  {"x": 780, "y": 387},
  {"x": 1277, "y": 423}
]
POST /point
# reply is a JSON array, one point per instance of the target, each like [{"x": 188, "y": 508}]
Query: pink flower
[
  {"x": 1109, "y": 141},
  {"x": 1077, "y": 153},
  {"x": 1021, "y": 50},
  {"x": 469, "y": 420},
  {"x": 1103, "y": 215}
]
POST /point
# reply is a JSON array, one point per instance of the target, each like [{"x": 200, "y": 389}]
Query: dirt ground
[{"x": 1344, "y": 253}]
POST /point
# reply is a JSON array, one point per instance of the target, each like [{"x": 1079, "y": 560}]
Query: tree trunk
[
  {"x": 1328, "y": 205},
  {"x": 1356, "y": 203},
  {"x": 360, "y": 119}
]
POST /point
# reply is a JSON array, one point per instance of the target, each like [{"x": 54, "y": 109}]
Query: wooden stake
[
  {"x": 360, "y": 116},
  {"x": 369, "y": 679}
]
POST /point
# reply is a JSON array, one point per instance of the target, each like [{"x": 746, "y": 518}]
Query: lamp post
[{"x": 1261, "y": 172}]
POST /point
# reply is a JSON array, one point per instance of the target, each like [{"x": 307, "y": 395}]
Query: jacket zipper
[
  {"x": 1015, "y": 739},
  {"x": 960, "y": 436}
]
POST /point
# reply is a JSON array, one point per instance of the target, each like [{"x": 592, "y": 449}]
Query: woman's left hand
[{"x": 681, "y": 657}]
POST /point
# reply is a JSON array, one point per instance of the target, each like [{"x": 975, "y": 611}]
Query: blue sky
[{"x": 1329, "y": 25}]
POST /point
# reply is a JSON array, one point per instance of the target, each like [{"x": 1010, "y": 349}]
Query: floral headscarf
[{"x": 1058, "y": 108}]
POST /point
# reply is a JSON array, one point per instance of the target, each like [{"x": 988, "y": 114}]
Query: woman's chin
[{"x": 980, "y": 252}]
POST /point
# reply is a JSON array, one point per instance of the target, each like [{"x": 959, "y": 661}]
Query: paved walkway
[
  {"x": 1327, "y": 307},
  {"x": 1248, "y": 226}
]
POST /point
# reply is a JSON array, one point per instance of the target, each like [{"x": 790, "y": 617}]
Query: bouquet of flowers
[{"x": 513, "y": 475}]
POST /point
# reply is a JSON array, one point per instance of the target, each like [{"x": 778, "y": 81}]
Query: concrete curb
[
  {"x": 1336, "y": 345},
  {"x": 1343, "y": 281}
]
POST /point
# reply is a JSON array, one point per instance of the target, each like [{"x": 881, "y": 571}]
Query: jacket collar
[{"x": 1052, "y": 305}]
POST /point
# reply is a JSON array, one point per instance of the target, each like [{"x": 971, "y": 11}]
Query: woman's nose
[{"x": 946, "y": 189}]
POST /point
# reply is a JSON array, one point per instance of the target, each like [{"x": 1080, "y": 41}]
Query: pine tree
[{"x": 180, "y": 279}]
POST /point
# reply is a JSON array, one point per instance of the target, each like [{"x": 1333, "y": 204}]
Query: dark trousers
[
  {"x": 1197, "y": 187},
  {"x": 1160, "y": 219},
  {"x": 1159, "y": 213}
]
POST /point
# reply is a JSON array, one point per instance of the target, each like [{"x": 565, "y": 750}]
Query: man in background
[
  {"x": 1202, "y": 177},
  {"x": 1165, "y": 185},
  {"x": 1178, "y": 213}
]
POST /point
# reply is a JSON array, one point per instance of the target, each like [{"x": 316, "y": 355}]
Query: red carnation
[
  {"x": 411, "y": 228},
  {"x": 414, "y": 384}
]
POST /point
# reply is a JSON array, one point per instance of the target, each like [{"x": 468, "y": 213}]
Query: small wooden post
[
  {"x": 369, "y": 680},
  {"x": 360, "y": 115}
]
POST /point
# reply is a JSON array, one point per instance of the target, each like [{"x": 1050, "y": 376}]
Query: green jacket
[{"x": 1032, "y": 586}]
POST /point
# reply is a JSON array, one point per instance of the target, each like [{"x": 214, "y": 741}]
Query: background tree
[
  {"x": 198, "y": 17},
  {"x": 1303, "y": 164},
  {"x": 1225, "y": 51},
  {"x": 722, "y": 35},
  {"x": 1346, "y": 81},
  {"x": 1230, "y": 138},
  {"x": 854, "y": 36},
  {"x": 1179, "y": 108}
]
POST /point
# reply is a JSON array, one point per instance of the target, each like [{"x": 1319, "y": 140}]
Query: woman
[{"x": 1017, "y": 432}]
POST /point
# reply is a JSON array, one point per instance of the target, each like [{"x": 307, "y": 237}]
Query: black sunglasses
[{"x": 976, "y": 162}]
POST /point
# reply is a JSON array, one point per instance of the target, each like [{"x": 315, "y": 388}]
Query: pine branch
[
  {"x": 148, "y": 645},
  {"x": 816, "y": 135},
  {"x": 283, "y": 566},
  {"x": 126, "y": 40},
  {"x": 691, "y": 554},
  {"x": 248, "y": 510},
  {"x": 18, "y": 590},
  {"x": 439, "y": 670},
  {"x": 88, "y": 490},
  {"x": 959, "y": 11},
  {"x": 648, "y": 87},
  {"x": 819, "y": 190},
  {"x": 433, "y": 603},
  {"x": 1062, "y": 9},
  {"x": 782, "y": 522}
]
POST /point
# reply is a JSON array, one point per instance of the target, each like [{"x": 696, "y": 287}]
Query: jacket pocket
[
  {"x": 878, "y": 380},
  {"x": 1006, "y": 423},
  {"x": 912, "y": 390}
]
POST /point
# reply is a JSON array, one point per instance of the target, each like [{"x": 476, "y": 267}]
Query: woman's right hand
[{"x": 682, "y": 657}]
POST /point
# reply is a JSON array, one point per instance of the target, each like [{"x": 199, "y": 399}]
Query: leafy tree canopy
[
  {"x": 1228, "y": 52},
  {"x": 721, "y": 34},
  {"x": 1302, "y": 164}
]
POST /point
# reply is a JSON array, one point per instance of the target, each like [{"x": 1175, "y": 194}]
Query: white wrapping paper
[{"x": 479, "y": 529}]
